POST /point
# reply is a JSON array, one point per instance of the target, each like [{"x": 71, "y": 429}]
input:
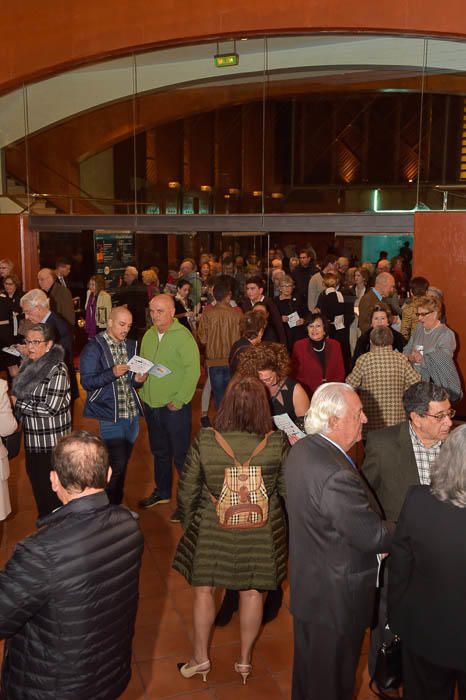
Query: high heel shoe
[
  {"x": 244, "y": 670},
  {"x": 188, "y": 671}
]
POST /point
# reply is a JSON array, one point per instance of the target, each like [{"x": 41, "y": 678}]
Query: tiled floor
[{"x": 163, "y": 627}]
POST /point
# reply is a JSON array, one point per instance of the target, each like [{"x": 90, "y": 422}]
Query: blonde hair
[{"x": 429, "y": 303}]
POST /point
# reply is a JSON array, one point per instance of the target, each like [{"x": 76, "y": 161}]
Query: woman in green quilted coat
[{"x": 250, "y": 560}]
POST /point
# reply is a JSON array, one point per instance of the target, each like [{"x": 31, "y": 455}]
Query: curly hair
[{"x": 273, "y": 356}]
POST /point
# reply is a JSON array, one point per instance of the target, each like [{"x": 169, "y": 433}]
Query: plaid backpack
[{"x": 243, "y": 503}]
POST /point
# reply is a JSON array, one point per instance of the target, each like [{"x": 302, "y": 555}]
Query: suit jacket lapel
[{"x": 407, "y": 461}]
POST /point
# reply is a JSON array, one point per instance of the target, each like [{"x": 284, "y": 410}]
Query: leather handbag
[
  {"x": 13, "y": 443},
  {"x": 388, "y": 668}
]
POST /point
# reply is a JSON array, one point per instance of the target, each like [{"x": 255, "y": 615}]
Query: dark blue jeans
[
  {"x": 169, "y": 438},
  {"x": 119, "y": 438},
  {"x": 219, "y": 378}
]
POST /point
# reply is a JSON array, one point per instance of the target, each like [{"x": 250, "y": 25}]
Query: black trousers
[
  {"x": 378, "y": 632},
  {"x": 423, "y": 680},
  {"x": 325, "y": 662},
  {"x": 119, "y": 453},
  {"x": 38, "y": 467}
]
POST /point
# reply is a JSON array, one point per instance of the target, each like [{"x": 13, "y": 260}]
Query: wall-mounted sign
[{"x": 114, "y": 250}]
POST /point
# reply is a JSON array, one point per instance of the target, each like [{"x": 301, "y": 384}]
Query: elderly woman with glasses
[
  {"x": 427, "y": 566},
  {"x": 292, "y": 310},
  {"x": 41, "y": 399},
  {"x": 431, "y": 347}
]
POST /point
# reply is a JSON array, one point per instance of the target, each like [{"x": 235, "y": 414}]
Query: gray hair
[
  {"x": 381, "y": 337},
  {"x": 329, "y": 400},
  {"x": 448, "y": 473},
  {"x": 417, "y": 397},
  {"x": 36, "y": 297},
  {"x": 132, "y": 270},
  {"x": 46, "y": 331}
]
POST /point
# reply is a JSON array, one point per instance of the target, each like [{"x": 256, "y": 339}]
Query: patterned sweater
[{"x": 382, "y": 375}]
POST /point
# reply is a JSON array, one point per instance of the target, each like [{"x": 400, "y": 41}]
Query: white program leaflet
[
  {"x": 11, "y": 350},
  {"x": 159, "y": 371},
  {"x": 139, "y": 365},
  {"x": 284, "y": 422},
  {"x": 293, "y": 319}
]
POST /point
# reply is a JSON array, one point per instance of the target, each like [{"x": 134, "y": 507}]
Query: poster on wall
[{"x": 114, "y": 250}]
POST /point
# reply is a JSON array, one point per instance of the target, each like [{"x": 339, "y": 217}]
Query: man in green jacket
[{"x": 167, "y": 395}]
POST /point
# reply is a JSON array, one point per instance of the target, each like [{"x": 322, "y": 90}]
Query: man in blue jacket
[{"x": 111, "y": 394}]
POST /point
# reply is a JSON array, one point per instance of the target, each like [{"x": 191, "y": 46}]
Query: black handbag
[
  {"x": 388, "y": 668},
  {"x": 13, "y": 443}
]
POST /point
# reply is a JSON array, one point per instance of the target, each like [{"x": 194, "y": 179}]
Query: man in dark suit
[
  {"x": 61, "y": 301},
  {"x": 133, "y": 295},
  {"x": 399, "y": 457},
  {"x": 336, "y": 532}
]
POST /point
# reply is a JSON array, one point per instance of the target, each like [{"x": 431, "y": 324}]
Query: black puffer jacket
[{"x": 68, "y": 601}]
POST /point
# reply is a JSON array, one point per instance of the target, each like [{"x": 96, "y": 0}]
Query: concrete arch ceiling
[{"x": 342, "y": 59}]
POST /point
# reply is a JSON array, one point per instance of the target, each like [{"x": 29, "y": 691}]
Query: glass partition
[
  {"x": 282, "y": 125},
  {"x": 14, "y": 157},
  {"x": 442, "y": 174}
]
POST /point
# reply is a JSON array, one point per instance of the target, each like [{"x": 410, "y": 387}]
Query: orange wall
[
  {"x": 440, "y": 255},
  {"x": 80, "y": 31}
]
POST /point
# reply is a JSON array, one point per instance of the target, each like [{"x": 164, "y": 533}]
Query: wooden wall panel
[
  {"x": 81, "y": 31},
  {"x": 440, "y": 255}
]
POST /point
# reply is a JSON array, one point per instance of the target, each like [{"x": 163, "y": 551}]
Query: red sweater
[{"x": 307, "y": 369}]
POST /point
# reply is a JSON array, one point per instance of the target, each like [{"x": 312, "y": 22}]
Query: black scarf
[
  {"x": 316, "y": 346},
  {"x": 32, "y": 372}
]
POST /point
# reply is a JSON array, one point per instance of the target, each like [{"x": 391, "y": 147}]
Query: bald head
[
  {"x": 162, "y": 311},
  {"x": 385, "y": 284},
  {"x": 46, "y": 277},
  {"x": 119, "y": 323}
]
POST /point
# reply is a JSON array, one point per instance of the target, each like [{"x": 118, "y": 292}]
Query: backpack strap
[{"x": 227, "y": 448}]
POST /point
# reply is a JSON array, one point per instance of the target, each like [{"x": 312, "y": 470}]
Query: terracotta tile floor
[{"x": 163, "y": 627}]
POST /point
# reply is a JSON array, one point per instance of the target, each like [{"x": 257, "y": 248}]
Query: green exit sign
[{"x": 222, "y": 60}]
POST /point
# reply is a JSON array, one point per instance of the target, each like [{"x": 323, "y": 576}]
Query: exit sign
[{"x": 222, "y": 60}]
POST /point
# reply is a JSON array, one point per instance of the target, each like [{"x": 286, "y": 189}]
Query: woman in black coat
[{"x": 427, "y": 577}]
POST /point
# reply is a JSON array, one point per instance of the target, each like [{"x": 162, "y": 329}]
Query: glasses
[
  {"x": 34, "y": 343},
  {"x": 441, "y": 416},
  {"x": 421, "y": 314}
]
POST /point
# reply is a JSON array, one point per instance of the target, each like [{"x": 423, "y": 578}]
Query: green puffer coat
[{"x": 208, "y": 555}]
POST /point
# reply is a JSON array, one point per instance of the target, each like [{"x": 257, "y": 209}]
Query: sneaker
[
  {"x": 205, "y": 422},
  {"x": 175, "y": 516},
  {"x": 155, "y": 499}
]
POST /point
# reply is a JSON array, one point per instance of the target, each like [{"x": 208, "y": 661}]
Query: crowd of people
[{"x": 298, "y": 360}]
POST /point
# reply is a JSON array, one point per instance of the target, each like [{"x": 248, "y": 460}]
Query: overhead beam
[{"x": 362, "y": 223}]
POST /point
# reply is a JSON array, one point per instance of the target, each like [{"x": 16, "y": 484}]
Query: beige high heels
[
  {"x": 188, "y": 671},
  {"x": 244, "y": 670}
]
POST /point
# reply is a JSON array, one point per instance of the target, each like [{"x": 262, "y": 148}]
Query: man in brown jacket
[
  {"x": 218, "y": 330},
  {"x": 383, "y": 288}
]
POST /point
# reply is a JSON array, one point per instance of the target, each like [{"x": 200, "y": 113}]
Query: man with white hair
[
  {"x": 336, "y": 532},
  {"x": 36, "y": 307}
]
